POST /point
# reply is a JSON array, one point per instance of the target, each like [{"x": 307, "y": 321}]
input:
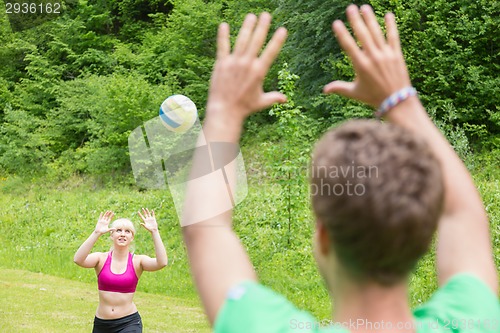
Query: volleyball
[{"x": 178, "y": 113}]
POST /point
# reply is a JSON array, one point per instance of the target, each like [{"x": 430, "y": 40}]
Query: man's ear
[{"x": 323, "y": 238}]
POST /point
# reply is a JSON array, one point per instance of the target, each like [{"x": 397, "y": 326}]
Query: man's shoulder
[
  {"x": 253, "y": 307},
  {"x": 464, "y": 304}
]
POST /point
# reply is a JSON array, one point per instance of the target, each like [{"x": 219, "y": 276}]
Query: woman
[{"x": 118, "y": 271}]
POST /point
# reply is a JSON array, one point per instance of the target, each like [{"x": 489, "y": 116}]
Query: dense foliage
[{"x": 73, "y": 86}]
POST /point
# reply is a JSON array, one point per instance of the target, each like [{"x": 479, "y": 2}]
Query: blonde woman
[{"x": 119, "y": 270}]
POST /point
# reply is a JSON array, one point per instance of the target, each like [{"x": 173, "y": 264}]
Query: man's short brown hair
[{"x": 378, "y": 189}]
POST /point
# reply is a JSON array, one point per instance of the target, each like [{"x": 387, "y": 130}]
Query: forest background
[{"x": 74, "y": 85}]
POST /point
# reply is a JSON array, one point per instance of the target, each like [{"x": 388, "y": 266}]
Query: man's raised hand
[
  {"x": 236, "y": 87},
  {"x": 379, "y": 64}
]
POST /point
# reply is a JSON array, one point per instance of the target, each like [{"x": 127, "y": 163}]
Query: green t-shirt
[{"x": 465, "y": 304}]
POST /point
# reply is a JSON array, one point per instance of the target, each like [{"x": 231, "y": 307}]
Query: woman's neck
[{"x": 120, "y": 252}]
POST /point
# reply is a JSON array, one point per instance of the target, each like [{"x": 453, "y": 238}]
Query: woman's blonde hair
[{"x": 123, "y": 223}]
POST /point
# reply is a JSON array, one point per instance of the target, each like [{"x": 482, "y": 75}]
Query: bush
[{"x": 97, "y": 114}]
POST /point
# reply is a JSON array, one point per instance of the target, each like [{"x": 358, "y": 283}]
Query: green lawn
[
  {"x": 42, "y": 223},
  {"x": 35, "y": 302}
]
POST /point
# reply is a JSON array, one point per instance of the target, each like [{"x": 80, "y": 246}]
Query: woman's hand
[
  {"x": 102, "y": 226},
  {"x": 378, "y": 62},
  {"x": 148, "y": 219}
]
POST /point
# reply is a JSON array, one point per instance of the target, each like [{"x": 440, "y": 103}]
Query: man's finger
[
  {"x": 259, "y": 35},
  {"x": 347, "y": 43},
  {"x": 273, "y": 48},
  {"x": 392, "y": 32},
  {"x": 270, "y": 98},
  {"x": 245, "y": 34},
  {"x": 340, "y": 87},
  {"x": 373, "y": 26},
  {"x": 359, "y": 27},
  {"x": 223, "y": 46}
]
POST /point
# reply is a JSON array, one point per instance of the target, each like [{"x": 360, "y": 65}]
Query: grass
[
  {"x": 36, "y": 302},
  {"x": 43, "y": 223}
]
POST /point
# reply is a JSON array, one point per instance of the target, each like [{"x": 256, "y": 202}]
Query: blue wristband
[{"x": 395, "y": 99}]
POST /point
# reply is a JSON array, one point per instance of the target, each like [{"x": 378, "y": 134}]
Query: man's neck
[{"x": 373, "y": 308}]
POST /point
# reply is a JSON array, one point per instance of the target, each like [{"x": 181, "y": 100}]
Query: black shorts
[{"x": 128, "y": 324}]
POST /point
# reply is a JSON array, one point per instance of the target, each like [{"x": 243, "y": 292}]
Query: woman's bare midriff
[{"x": 113, "y": 305}]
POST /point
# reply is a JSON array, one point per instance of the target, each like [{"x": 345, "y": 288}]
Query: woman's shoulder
[
  {"x": 138, "y": 260},
  {"x": 139, "y": 257},
  {"x": 101, "y": 260},
  {"x": 102, "y": 256},
  {"x": 99, "y": 254}
]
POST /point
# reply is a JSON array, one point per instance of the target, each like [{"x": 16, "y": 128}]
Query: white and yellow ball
[{"x": 178, "y": 113}]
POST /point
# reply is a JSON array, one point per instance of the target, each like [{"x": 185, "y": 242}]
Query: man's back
[
  {"x": 464, "y": 304},
  {"x": 366, "y": 276}
]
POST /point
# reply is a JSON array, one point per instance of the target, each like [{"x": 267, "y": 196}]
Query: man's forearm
[
  {"x": 463, "y": 243},
  {"x": 460, "y": 192},
  {"x": 222, "y": 126},
  {"x": 218, "y": 259},
  {"x": 209, "y": 193}
]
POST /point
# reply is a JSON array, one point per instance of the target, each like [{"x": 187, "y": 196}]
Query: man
[{"x": 366, "y": 244}]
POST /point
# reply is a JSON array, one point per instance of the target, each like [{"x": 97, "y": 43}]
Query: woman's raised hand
[
  {"x": 378, "y": 61},
  {"x": 148, "y": 219},
  {"x": 102, "y": 226}
]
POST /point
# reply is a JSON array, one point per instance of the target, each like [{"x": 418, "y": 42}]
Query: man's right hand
[{"x": 379, "y": 64}]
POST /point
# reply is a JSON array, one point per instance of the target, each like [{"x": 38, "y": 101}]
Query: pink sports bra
[{"x": 118, "y": 283}]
